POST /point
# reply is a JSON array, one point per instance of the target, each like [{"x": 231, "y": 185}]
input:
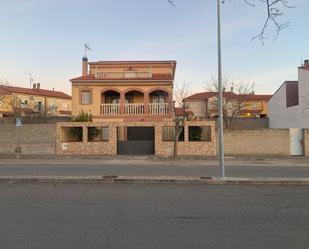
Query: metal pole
[
  {"x": 18, "y": 143},
  {"x": 221, "y": 139}
]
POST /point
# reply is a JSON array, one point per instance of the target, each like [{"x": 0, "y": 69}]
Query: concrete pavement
[
  {"x": 152, "y": 216},
  {"x": 292, "y": 171}
]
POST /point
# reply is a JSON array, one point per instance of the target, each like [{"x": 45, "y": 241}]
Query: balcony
[
  {"x": 159, "y": 108},
  {"x": 110, "y": 109},
  {"x": 124, "y": 75},
  {"x": 135, "y": 109}
]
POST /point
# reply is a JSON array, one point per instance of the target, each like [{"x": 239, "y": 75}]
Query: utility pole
[{"x": 221, "y": 138}]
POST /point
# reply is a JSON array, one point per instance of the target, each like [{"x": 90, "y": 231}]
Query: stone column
[
  {"x": 122, "y": 102},
  {"x": 146, "y": 103}
]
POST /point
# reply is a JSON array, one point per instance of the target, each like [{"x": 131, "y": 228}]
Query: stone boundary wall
[
  {"x": 268, "y": 142},
  {"x": 109, "y": 147},
  {"x": 306, "y": 142},
  {"x": 34, "y": 138}
]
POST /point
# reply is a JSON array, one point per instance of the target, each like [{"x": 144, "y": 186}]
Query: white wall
[
  {"x": 281, "y": 116},
  {"x": 303, "y": 92}
]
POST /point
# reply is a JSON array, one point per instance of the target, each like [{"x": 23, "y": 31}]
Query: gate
[{"x": 135, "y": 140}]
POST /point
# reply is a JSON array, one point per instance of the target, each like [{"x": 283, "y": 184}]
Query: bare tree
[
  {"x": 274, "y": 10},
  {"x": 16, "y": 105},
  {"x": 234, "y": 96},
  {"x": 182, "y": 90}
]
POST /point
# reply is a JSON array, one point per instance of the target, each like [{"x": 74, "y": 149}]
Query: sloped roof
[
  {"x": 229, "y": 95},
  {"x": 181, "y": 112},
  {"x": 30, "y": 91},
  {"x": 132, "y": 62}
]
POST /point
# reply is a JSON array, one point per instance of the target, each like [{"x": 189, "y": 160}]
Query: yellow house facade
[
  {"x": 33, "y": 100},
  {"x": 125, "y": 90}
]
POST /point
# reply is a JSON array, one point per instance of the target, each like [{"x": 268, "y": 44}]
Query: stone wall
[
  {"x": 268, "y": 142},
  {"x": 109, "y": 147},
  {"x": 197, "y": 107},
  {"x": 87, "y": 148},
  {"x": 34, "y": 138},
  {"x": 306, "y": 142}
]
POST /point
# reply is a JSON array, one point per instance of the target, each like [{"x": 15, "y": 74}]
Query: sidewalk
[
  {"x": 156, "y": 180},
  {"x": 259, "y": 158}
]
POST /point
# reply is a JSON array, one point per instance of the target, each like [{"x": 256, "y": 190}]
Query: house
[
  {"x": 289, "y": 106},
  {"x": 124, "y": 90},
  {"x": 204, "y": 104},
  {"x": 30, "y": 101},
  {"x": 131, "y": 103}
]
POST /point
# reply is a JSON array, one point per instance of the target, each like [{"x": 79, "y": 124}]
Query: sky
[{"x": 46, "y": 38}]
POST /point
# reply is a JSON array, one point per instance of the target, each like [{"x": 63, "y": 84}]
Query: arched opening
[
  {"x": 134, "y": 96},
  {"x": 134, "y": 102},
  {"x": 110, "y": 103},
  {"x": 158, "y": 102},
  {"x": 110, "y": 97},
  {"x": 158, "y": 96}
]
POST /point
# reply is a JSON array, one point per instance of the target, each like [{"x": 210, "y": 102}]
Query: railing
[
  {"x": 123, "y": 75},
  {"x": 134, "y": 109},
  {"x": 159, "y": 108},
  {"x": 110, "y": 109}
]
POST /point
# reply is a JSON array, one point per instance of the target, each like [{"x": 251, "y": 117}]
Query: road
[
  {"x": 139, "y": 216},
  {"x": 148, "y": 167}
]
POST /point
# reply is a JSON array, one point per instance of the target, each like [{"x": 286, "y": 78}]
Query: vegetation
[{"x": 77, "y": 133}]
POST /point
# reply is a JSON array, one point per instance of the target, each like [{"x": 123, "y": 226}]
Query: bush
[{"x": 76, "y": 132}]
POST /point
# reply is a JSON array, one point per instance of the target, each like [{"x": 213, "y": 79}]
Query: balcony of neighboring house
[{"x": 134, "y": 102}]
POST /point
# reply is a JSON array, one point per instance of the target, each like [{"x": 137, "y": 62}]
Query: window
[
  {"x": 168, "y": 133},
  {"x": 86, "y": 97},
  {"x": 97, "y": 134},
  {"x": 39, "y": 106},
  {"x": 199, "y": 133},
  {"x": 72, "y": 134}
]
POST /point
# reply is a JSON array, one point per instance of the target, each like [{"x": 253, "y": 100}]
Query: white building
[{"x": 289, "y": 106}]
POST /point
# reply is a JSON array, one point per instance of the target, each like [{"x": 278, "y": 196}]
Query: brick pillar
[
  {"x": 146, "y": 103},
  {"x": 122, "y": 102}
]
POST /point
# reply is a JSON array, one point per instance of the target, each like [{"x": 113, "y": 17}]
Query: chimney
[
  {"x": 306, "y": 63},
  {"x": 34, "y": 86},
  {"x": 38, "y": 85},
  {"x": 85, "y": 66},
  {"x": 232, "y": 89}
]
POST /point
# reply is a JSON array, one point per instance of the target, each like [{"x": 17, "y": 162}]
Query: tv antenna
[
  {"x": 86, "y": 49},
  {"x": 30, "y": 79}
]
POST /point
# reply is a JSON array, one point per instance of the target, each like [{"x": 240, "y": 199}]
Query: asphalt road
[
  {"x": 153, "y": 216},
  {"x": 146, "y": 167}
]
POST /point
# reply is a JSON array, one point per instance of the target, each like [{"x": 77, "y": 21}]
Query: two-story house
[
  {"x": 29, "y": 101},
  {"x": 125, "y": 90},
  {"x": 205, "y": 104},
  {"x": 131, "y": 104}
]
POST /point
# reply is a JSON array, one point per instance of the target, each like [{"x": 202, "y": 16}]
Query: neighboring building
[
  {"x": 126, "y": 90},
  {"x": 131, "y": 103},
  {"x": 204, "y": 104},
  {"x": 289, "y": 106},
  {"x": 29, "y": 101}
]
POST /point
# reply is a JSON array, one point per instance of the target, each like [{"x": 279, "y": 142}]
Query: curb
[{"x": 157, "y": 180}]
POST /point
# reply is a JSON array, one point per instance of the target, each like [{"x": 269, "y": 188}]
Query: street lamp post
[{"x": 221, "y": 138}]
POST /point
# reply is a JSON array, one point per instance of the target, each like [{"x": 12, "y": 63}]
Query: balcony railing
[
  {"x": 135, "y": 109},
  {"x": 159, "y": 108},
  {"x": 110, "y": 109},
  {"x": 123, "y": 75}
]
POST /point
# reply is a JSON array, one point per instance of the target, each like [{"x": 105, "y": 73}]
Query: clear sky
[{"x": 46, "y": 37}]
